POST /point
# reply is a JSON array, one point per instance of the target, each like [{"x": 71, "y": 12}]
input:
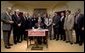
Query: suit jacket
[
  {"x": 80, "y": 21},
  {"x": 62, "y": 22},
  {"x": 28, "y": 23},
  {"x": 16, "y": 20},
  {"x": 69, "y": 22},
  {"x": 42, "y": 22},
  {"x": 33, "y": 21},
  {"x": 23, "y": 22},
  {"x": 5, "y": 19},
  {"x": 56, "y": 21}
]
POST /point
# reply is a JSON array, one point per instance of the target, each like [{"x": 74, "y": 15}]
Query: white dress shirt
[
  {"x": 48, "y": 21},
  {"x": 62, "y": 18}
]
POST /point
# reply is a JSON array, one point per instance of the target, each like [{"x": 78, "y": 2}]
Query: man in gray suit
[
  {"x": 68, "y": 26},
  {"x": 6, "y": 27}
]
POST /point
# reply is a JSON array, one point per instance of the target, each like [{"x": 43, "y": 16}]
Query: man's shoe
[
  {"x": 71, "y": 43},
  {"x": 80, "y": 44},
  {"x": 19, "y": 41},
  {"x": 76, "y": 43},
  {"x": 50, "y": 38},
  {"x": 63, "y": 39},
  {"x": 15, "y": 42},
  {"x": 57, "y": 39},
  {"x": 54, "y": 38},
  {"x": 67, "y": 41},
  {"x": 7, "y": 47}
]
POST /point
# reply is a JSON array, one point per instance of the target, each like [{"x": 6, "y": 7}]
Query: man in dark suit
[
  {"x": 34, "y": 20},
  {"x": 78, "y": 25},
  {"x": 56, "y": 20},
  {"x": 6, "y": 27},
  {"x": 30, "y": 23},
  {"x": 26, "y": 23},
  {"x": 62, "y": 31},
  {"x": 16, "y": 26},
  {"x": 23, "y": 17},
  {"x": 83, "y": 28}
]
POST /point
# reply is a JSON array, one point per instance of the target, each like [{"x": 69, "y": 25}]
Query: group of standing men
[
  {"x": 62, "y": 26},
  {"x": 65, "y": 24}
]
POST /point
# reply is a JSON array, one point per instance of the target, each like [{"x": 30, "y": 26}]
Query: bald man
[{"x": 6, "y": 27}]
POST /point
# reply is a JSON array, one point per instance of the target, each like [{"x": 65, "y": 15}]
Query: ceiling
[{"x": 38, "y": 4}]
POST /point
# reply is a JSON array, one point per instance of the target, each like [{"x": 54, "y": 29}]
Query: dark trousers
[
  {"x": 23, "y": 35},
  {"x": 62, "y": 34},
  {"x": 79, "y": 36},
  {"x": 54, "y": 33},
  {"x": 43, "y": 39},
  {"x": 39, "y": 39},
  {"x": 6, "y": 37},
  {"x": 50, "y": 32},
  {"x": 16, "y": 34},
  {"x": 57, "y": 33},
  {"x": 83, "y": 34}
]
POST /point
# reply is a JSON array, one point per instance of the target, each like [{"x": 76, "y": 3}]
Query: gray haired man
[{"x": 6, "y": 27}]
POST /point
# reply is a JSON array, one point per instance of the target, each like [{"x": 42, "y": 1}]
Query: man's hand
[
  {"x": 11, "y": 22},
  {"x": 19, "y": 25},
  {"x": 53, "y": 24},
  {"x": 82, "y": 28}
]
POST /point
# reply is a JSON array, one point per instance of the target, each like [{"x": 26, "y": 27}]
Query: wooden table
[{"x": 37, "y": 33}]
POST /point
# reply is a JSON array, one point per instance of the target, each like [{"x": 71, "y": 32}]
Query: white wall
[
  {"x": 29, "y": 10},
  {"x": 73, "y": 5},
  {"x": 4, "y": 5},
  {"x": 61, "y": 8}
]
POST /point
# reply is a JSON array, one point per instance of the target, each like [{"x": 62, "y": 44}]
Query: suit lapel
[{"x": 9, "y": 16}]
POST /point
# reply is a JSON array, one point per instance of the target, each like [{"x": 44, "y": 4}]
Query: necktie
[{"x": 48, "y": 21}]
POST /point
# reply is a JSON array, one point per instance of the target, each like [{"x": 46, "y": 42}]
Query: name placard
[{"x": 36, "y": 32}]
